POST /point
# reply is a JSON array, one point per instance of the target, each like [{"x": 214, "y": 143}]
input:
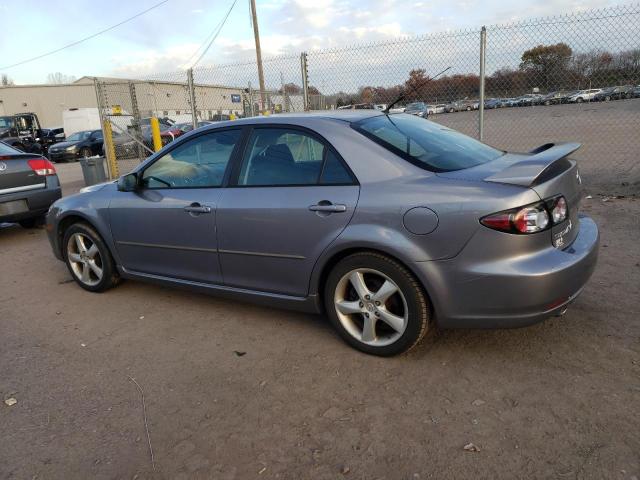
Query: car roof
[{"x": 348, "y": 116}]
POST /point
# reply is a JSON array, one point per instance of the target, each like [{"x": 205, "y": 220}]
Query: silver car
[{"x": 387, "y": 223}]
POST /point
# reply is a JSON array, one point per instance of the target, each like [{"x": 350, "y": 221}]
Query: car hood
[{"x": 63, "y": 145}]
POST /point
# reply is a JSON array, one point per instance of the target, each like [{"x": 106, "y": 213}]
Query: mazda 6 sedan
[{"x": 389, "y": 224}]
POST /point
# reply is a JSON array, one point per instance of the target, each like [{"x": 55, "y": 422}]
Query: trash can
[{"x": 93, "y": 170}]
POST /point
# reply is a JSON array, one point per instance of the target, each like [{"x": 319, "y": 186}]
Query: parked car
[
  {"x": 50, "y": 136},
  {"x": 419, "y": 109},
  {"x": 28, "y": 186},
  {"x": 387, "y": 223},
  {"x": 433, "y": 109},
  {"x": 614, "y": 93},
  {"x": 493, "y": 103},
  {"x": 635, "y": 93},
  {"x": 555, "y": 98},
  {"x": 528, "y": 100},
  {"x": 78, "y": 145},
  {"x": 509, "y": 102},
  {"x": 583, "y": 95},
  {"x": 463, "y": 105}
]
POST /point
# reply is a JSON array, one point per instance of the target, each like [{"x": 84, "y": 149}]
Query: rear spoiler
[{"x": 526, "y": 172}]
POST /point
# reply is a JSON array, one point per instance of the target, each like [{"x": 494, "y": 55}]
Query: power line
[
  {"x": 73, "y": 44},
  {"x": 221, "y": 24}
]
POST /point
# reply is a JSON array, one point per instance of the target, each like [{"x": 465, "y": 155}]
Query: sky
[{"x": 165, "y": 38}]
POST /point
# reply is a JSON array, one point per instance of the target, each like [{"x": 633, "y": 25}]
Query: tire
[
  {"x": 85, "y": 152},
  {"x": 468, "y": 109},
  {"x": 547, "y": 103},
  {"x": 579, "y": 100},
  {"x": 101, "y": 258},
  {"x": 366, "y": 323},
  {"x": 32, "y": 222}
]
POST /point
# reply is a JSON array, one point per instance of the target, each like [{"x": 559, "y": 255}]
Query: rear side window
[
  {"x": 426, "y": 144},
  {"x": 283, "y": 156},
  {"x": 7, "y": 150}
]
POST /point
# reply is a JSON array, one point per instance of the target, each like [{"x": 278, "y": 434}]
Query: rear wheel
[
  {"x": 88, "y": 258},
  {"x": 579, "y": 100},
  {"x": 376, "y": 305}
]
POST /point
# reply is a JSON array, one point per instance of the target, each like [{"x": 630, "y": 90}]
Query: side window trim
[
  {"x": 234, "y": 176},
  {"x": 176, "y": 144}
]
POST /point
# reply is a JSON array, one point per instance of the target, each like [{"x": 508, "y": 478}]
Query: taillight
[
  {"x": 532, "y": 218},
  {"x": 558, "y": 209},
  {"x": 42, "y": 166}
]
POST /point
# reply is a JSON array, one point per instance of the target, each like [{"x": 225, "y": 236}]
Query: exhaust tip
[{"x": 562, "y": 312}]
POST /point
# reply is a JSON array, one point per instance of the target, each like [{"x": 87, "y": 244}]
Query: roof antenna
[{"x": 413, "y": 89}]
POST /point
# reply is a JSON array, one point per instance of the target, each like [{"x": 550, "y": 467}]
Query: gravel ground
[{"x": 233, "y": 390}]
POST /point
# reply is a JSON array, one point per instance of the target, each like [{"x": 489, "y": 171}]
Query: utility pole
[{"x": 256, "y": 34}]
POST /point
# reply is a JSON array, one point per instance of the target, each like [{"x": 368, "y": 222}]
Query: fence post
[
  {"x": 192, "y": 98},
  {"x": 135, "y": 121},
  {"x": 483, "y": 58},
  {"x": 305, "y": 80},
  {"x": 110, "y": 149}
]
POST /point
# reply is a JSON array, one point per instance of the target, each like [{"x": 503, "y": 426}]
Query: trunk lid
[
  {"x": 547, "y": 170},
  {"x": 16, "y": 175}
]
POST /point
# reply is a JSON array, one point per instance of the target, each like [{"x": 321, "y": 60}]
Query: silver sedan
[{"x": 388, "y": 224}]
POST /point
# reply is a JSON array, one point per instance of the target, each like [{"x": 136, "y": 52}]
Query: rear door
[{"x": 290, "y": 197}]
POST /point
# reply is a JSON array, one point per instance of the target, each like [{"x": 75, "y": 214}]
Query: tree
[
  {"x": 58, "y": 78},
  {"x": 5, "y": 80},
  {"x": 547, "y": 64},
  {"x": 291, "y": 89}
]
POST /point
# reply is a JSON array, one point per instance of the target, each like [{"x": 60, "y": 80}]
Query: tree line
[{"x": 545, "y": 67}]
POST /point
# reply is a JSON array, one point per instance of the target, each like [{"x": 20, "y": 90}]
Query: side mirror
[{"x": 128, "y": 183}]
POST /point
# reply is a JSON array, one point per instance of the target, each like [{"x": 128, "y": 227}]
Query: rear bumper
[
  {"x": 510, "y": 292},
  {"x": 38, "y": 201}
]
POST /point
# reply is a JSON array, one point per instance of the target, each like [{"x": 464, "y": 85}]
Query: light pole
[{"x": 256, "y": 34}]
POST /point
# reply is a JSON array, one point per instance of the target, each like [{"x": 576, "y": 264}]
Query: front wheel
[
  {"x": 376, "y": 305},
  {"x": 85, "y": 152},
  {"x": 88, "y": 258}
]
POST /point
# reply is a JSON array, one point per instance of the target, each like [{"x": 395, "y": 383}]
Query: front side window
[
  {"x": 199, "y": 162},
  {"x": 425, "y": 143},
  {"x": 279, "y": 156}
]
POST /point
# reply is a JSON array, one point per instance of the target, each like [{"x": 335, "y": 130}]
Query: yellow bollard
[
  {"x": 155, "y": 134},
  {"x": 110, "y": 150},
  {"x": 232, "y": 116}
]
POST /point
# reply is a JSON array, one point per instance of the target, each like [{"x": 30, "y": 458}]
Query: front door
[
  {"x": 167, "y": 227},
  {"x": 290, "y": 198}
]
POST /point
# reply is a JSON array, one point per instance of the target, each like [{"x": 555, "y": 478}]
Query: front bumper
[
  {"x": 63, "y": 156},
  {"x": 471, "y": 292},
  {"x": 38, "y": 201}
]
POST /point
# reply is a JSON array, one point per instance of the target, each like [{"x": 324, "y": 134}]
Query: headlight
[{"x": 72, "y": 148}]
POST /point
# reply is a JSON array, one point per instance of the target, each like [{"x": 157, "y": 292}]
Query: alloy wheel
[
  {"x": 371, "y": 307},
  {"x": 85, "y": 260}
]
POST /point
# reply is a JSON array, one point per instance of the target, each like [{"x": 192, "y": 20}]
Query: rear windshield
[
  {"x": 426, "y": 144},
  {"x": 7, "y": 150}
]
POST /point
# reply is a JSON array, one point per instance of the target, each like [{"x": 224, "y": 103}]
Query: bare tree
[{"x": 58, "y": 78}]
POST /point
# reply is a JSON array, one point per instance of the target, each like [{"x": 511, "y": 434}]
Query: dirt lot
[{"x": 557, "y": 400}]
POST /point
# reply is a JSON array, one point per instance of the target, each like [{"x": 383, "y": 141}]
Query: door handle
[
  {"x": 328, "y": 207},
  {"x": 196, "y": 208}
]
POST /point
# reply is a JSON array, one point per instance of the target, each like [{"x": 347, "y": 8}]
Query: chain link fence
[{"x": 516, "y": 86}]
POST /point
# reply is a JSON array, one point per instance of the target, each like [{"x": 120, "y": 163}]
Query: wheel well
[
  {"x": 333, "y": 261},
  {"x": 66, "y": 223}
]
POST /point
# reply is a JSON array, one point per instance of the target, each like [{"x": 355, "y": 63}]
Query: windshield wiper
[{"x": 413, "y": 89}]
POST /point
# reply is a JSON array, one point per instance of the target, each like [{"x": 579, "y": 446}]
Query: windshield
[
  {"x": 426, "y": 144},
  {"x": 78, "y": 136},
  {"x": 7, "y": 122}
]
